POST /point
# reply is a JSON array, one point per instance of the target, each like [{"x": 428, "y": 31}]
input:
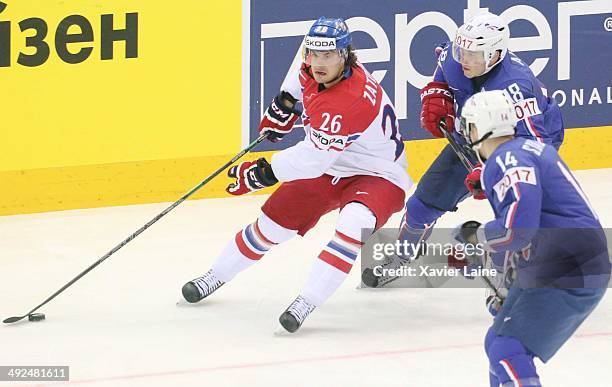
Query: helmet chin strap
[
  {"x": 483, "y": 138},
  {"x": 477, "y": 145},
  {"x": 481, "y": 159},
  {"x": 489, "y": 68}
]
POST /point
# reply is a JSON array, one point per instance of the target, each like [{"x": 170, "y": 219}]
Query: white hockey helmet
[
  {"x": 484, "y": 34},
  {"x": 491, "y": 114}
]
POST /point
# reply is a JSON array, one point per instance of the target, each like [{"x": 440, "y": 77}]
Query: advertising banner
[{"x": 566, "y": 44}]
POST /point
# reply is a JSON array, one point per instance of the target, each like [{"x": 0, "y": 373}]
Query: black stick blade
[{"x": 11, "y": 320}]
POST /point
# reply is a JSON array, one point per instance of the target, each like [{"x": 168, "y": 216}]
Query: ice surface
[{"x": 120, "y": 325}]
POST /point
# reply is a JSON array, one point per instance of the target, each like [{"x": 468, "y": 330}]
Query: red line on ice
[{"x": 294, "y": 361}]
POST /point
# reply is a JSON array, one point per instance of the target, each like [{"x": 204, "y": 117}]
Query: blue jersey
[
  {"x": 541, "y": 210},
  {"x": 539, "y": 116}
]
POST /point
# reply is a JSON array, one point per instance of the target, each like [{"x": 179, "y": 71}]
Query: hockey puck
[{"x": 36, "y": 316}]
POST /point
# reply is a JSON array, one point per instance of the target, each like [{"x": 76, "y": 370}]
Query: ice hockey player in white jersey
[{"x": 352, "y": 159}]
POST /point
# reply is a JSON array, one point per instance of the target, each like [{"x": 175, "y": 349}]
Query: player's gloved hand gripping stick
[{"x": 252, "y": 145}]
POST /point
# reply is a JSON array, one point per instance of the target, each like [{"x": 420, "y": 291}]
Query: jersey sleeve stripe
[
  {"x": 510, "y": 215},
  {"x": 574, "y": 183},
  {"x": 513, "y": 207},
  {"x": 532, "y": 129},
  {"x": 508, "y": 235},
  {"x": 503, "y": 240}
]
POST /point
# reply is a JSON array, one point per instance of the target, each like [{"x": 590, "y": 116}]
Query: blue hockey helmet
[{"x": 328, "y": 34}]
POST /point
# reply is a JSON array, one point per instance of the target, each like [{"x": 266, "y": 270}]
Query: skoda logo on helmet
[{"x": 318, "y": 43}]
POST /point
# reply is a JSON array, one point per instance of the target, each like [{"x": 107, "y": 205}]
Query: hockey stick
[
  {"x": 459, "y": 151},
  {"x": 252, "y": 145},
  {"x": 463, "y": 157}
]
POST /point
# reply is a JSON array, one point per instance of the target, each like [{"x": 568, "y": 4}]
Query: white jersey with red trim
[{"x": 351, "y": 129}]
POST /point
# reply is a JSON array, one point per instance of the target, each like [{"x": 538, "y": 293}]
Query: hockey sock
[
  {"x": 511, "y": 362},
  {"x": 248, "y": 246},
  {"x": 337, "y": 258}
]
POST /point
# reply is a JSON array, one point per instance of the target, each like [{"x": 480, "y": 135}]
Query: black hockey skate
[
  {"x": 371, "y": 280},
  {"x": 296, "y": 313},
  {"x": 201, "y": 287}
]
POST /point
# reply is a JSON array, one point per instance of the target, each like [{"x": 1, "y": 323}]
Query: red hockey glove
[
  {"x": 472, "y": 183},
  {"x": 437, "y": 104},
  {"x": 250, "y": 176},
  {"x": 278, "y": 119}
]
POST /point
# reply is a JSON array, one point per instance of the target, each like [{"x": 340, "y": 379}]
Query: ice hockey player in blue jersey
[
  {"x": 478, "y": 59},
  {"x": 545, "y": 229}
]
